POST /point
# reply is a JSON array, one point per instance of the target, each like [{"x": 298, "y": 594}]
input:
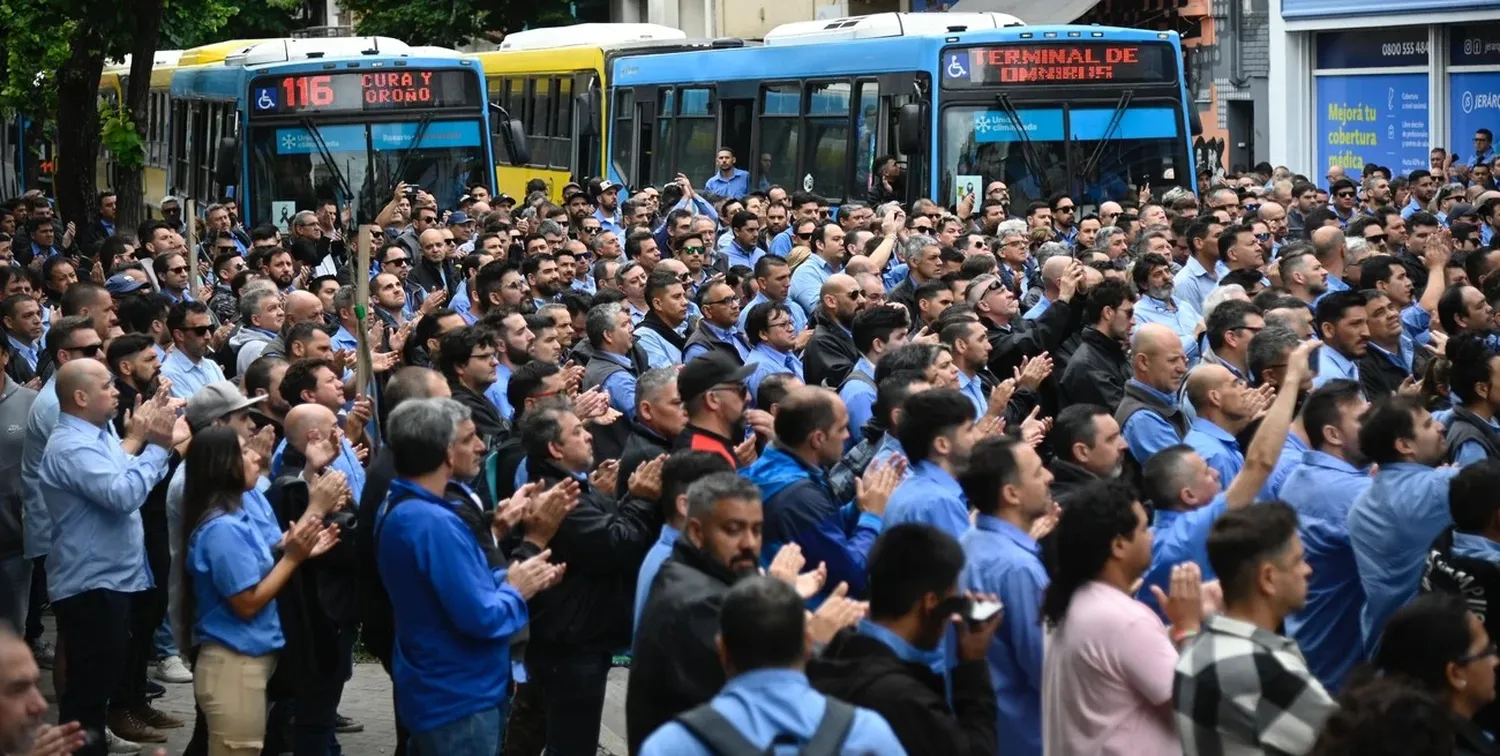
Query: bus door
[
  {"x": 587, "y": 152},
  {"x": 737, "y": 119},
  {"x": 907, "y": 137},
  {"x": 645, "y": 126}
]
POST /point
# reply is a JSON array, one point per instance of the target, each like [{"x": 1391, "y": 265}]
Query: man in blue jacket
[
  {"x": 811, "y": 425},
  {"x": 455, "y": 608}
]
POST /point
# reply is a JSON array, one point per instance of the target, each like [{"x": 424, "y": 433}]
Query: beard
[
  {"x": 1162, "y": 293},
  {"x": 517, "y": 356},
  {"x": 546, "y": 289}
]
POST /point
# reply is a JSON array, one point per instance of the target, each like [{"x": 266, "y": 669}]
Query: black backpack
[{"x": 713, "y": 730}]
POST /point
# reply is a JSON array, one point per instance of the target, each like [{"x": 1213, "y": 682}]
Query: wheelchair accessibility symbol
[
  {"x": 955, "y": 68},
  {"x": 265, "y": 98}
]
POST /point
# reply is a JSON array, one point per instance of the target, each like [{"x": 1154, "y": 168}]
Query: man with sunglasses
[
  {"x": 831, "y": 352},
  {"x": 827, "y": 244},
  {"x": 189, "y": 365},
  {"x": 1064, "y": 218},
  {"x": 716, "y": 332},
  {"x": 804, "y": 207}
]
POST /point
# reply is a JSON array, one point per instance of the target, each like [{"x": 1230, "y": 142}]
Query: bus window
[
  {"x": 781, "y": 107},
  {"x": 622, "y": 144},
  {"x": 866, "y": 129},
  {"x": 828, "y": 138},
  {"x": 663, "y": 162},
  {"x": 695, "y": 132},
  {"x": 541, "y": 122}
]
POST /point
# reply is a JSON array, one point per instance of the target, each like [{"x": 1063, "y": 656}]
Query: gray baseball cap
[{"x": 214, "y": 401}]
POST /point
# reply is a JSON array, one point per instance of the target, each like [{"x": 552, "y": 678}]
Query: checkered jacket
[{"x": 1242, "y": 690}]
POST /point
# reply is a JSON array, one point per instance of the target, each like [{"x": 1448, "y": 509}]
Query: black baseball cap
[{"x": 706, "y": 371}]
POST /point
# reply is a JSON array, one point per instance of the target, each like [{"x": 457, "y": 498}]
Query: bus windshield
[
  {"x": 1093, "y": 153},
  {"x": 290, "y": 169}
]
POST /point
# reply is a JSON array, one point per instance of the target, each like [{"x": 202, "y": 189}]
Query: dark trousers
[
  {"x": 313, "y": 706},
  {"x": 403, "y": 735},
  {"x": 526, "y": 728},
  {"x": 146, "y": 611},
  {"x": 38, "y": 599},
  {"x": 572, "y": 687},
  {"x": 96, "y": 627}
]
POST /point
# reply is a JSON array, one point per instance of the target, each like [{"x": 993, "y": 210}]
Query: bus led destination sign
[
  {"x": 1060, "y": 63},
  {"x": 364, "y": 91}
]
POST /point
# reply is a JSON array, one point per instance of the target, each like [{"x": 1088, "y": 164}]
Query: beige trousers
[{"x": 231, "y": 690}]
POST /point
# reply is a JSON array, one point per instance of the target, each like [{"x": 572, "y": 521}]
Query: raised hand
[
  {"x": 322, "y": 448},
  {"x": 1000, "y": 397},
  {"x": 873, "y": 489},
  {"x": 359, "y": 415},
  {"x": 787, "y": 564},
  {"x": 221, "y": 336},
  {"x": 381, "y": 362},
  {"x": 974, "y": 639},
  {"x": 510, "y": 512},
  {"x": 591, "y": 403},
  {"x": 1046, "y": 523},
  {"x": 298, "y": 542},
  {"x": 327, "y": 538},
  {"x": 837, "y": 612},
  {"x": 1033, "y": 371},
  {"x": 325, "y": 492},
  {"x": 645, "y": 482},
  {"x": 606, "y": 477},
  {"x": 1034, "y": 429},
  {"x": 547, "y": 511},
  {"x": 433, "y": 301},
  {"x": 57, "y": 740},
  {"x": 1183, "y": 602},
  {"x": 534, "y": 575},
  {"x": 397, "y": 340},
  {"x": 1297, "y": 362},
  {"x": 761, "y": 422}
]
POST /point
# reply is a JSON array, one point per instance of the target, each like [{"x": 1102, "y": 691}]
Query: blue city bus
[
  {"x": 339, "y": 119},
  {"x": 959, "y": 99}
]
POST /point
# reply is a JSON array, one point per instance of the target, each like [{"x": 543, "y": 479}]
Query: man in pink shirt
[{"x": 1108, "y": 665}]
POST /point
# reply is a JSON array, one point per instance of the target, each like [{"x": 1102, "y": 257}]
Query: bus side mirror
[
  {"x": 511, "y": 133},
  {"x": 909, "y": 126},
  {"x": 227, "y": 162},
  {"x": 586, "y": 105},
  {"x": 1195, "y": 122}
]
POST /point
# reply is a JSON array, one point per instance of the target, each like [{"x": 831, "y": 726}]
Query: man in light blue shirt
[
  {"x": 612, "y": 337},
  {"x": 1149, "y": 416},
  {"x": 1392, "y": 524},
  {"x": 1153, "y": 279},
  {"x": 770, "y": 698},
  {"x": 1343, "y": 325},
  {"x": 770, "y": 334},
  {"x": 937, "y": 433},
  {"x": 1008, "y": 486},
  {"x": 1225, "y": 406},
  {"x": 876, "y": 331},
  {"x": 94, "y": 487},
  {"x": 23, "y": 329},
  {"x": 1201, "y": 274},
  {"x": 774, "y": 277},
  {"x": 662, "y": 334},
  {"x": 189, "y": 365},
  {"x": 742, "y": 244},
  {"x": 804, "y": 216},
  {"x": 1322, "y": 488},
  {"x": 513, "y": 342},
  {"x": 729, "y": 181},
  {"x": 827, "y": 253}
]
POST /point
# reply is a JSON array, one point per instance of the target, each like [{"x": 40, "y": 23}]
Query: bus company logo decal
[{"x": 1468, "y": 102}]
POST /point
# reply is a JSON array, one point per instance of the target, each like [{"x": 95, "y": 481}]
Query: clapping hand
[
  {"x": 837, "y": 612},
  {"x": 1034, "y": 429},
  {"x": 1033, "y": 371},
  {"x": 547, "y": 510},
  {"x": 534, "y": 575},
  {"x": 57, "y": 740},
  {"x": 787, "y": 567},
  {"x": 873, "y": 489},
  {"x": 606, "y": 476},
  {"x": 308, "y": 538},
  {"x": 325, "y": 493},
  {"x": 1183, "y": 602},
  {"x": 645, "y": 482},
  {"x": 1000, "y": 397}
]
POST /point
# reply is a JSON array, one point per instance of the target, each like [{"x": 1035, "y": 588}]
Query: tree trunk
[
  {"x": 74, "y": 182},
  {"x": 130, "y": 193}
]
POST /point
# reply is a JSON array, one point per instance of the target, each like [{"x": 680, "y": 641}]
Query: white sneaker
[
  {"x": 172, "y": 670},
  {"x": 118, "y": 744}
]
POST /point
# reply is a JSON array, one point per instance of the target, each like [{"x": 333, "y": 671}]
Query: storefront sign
[
  {"x": 1476, "y": 105},
  {"x": 1372, "y": 118},
  {"x": 1373, "y": 48}
]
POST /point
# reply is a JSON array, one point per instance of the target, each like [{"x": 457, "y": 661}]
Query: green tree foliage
[{"x": 451, "y": 23}]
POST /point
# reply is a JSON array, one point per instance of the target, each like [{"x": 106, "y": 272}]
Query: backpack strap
[
  {"x": 828, "y": 739},
  {"x": 713, "y": 730}
]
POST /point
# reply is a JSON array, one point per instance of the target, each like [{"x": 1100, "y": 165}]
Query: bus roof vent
[
  {"x": 591, "y": 35},
  {"x": 879, "y": 25},
  {"x": 290, "y": 50}
]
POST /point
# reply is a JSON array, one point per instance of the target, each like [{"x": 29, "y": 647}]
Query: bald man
[
  {"x": 97, "y": 575},
  {"x": 1149, "y": 415},
  {"x": 434, "y": 270},
  {"x": 1052, "y": 274},
  {"x": 859, "y": 264},
  {"x": 303, "y": 307},
  {"x": 831, "y": 353},
  {"x": 1225, "y": 405},
  {"x": 1330, "y": 248}
]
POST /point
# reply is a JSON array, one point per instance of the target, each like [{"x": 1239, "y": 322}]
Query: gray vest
[
  {"x": 1138, "y": 399},
  {"x": 600, "y": 368}
]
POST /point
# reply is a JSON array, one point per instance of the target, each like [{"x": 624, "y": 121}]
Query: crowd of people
[{"x": 1206, "y": 474}]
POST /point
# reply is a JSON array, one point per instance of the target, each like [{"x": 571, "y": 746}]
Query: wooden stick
[
  {"x": 192, "y": 248},
  {"x": 363, "y": 371}
]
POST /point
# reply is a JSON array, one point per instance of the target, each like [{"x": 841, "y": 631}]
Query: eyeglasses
[
  {"x": 451, "y": 242},
  {"x": 923, "y": 229},
  {"x": 178, "y": 269},
  {"x": 738, "y": 389},
  {"x": 993, "y": 285},
  {"x": 692, "y": 250},
  {"x": 1482, "y": 653},
  {"x": 1251, "y": 329},
  {"x": 590, "y": 229},
  {"x": 399, "y": 261},
  {"x": 1344, "y": 194},
  {"x": 685, "y": 278},
  {"x": 427, "y": 219},
  {"x": 805, "y": 236},
  {"x": 1067, "y": 209},
  {"x": 1263, "y": 236},
  {"x": 732, "y": 299},
  {"x": 482, "y": 356},
  {"x": 202, "y": 330},
  {"x": 87, "y": 350},
  {"x": 784, "y": 323},
  {"x": 1380, "y": 238},
  {"x": 933, "y": 216},
  {"x": 855, "y": 295}
]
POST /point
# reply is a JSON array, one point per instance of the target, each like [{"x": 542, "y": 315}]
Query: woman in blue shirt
[{"x": 232, "y": 575}]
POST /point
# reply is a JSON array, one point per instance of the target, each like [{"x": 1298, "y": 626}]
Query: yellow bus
[{"x": 553, "y": 82}]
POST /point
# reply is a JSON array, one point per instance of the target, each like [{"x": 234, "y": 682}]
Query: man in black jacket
[
  {"x": 1086, "y": 446},
  {"x": 659, "y": 419},
  {"x": 1013, "y": 338},
  {"x": 675, "y": 664},
  {"x": 1099, "y": 370},
  {"x": 831, "y": 353},
  {"x": 467, "y": 359},
  {"x": 434, "y": 269},
  {"x": 913, "y": 596},
  {"x": 577, "y": 625}
]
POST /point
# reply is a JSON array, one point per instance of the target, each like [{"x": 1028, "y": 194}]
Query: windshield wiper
[
  {"x": 341, "y": 181},
  {"x": 411, "y": 149},
  {"x": 1109, "y": 132},
  {"x": 1028, "y": 150}
]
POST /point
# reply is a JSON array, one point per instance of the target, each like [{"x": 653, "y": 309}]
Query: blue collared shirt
[
  {"x": 610, "y": 223},
  {"x": 736, "y": 186},
  {"x": 808, "y": 280},
  {"x": 799, "y": 316},
  {"x": 1474, "y": 546},
  {"x": 768, "y": 361},
  {"x": 228, "y": 555},
  {"x": 1322, "y": 489},
  {"x": 1412, "y": 206},
  {"x": 973, "y": 389},
  {"x": 934, "y": 659},
  {"x": 1178, "y": 537},
  {"x": 660, "y": 353},
  {"x": 1218, "y": 448},
  {"x": 94, "y": 492},
  {"x": 187, "y": 376},
  {"x": 342, "y": 339},
  {"x": 649, "y": 567},
  {"x": 636, "y": 314},
  {"x": 765, "y": 703},
  {"x": 1391, "y": 525},
  {"x": 859, "y": 400},
  {"x": 1147, "y": 433},
  {"x": 1291, "y": 458},
  {"x": 1000, "y": 559},
  {"x": 1416, "y": 324},
  {"x": 930, "y": 496},
  {"x": 1038, "y": 309},
  {"x": 1183, "y": 321},
  {"x": 620, "y": 385},
  {"x": 346, "y": 462},
  {"x": 740, "y": 256},
  {"x": 1332, "y": 366},
  {"x": 781, "y": 244},
  {"x": 1194, "y": 282},
  {"x": 585, "y": 285},
  {"x": 733, "y": 338},
  {"x": 27, "y": 353},
  {"x": 496, "y": 392}
]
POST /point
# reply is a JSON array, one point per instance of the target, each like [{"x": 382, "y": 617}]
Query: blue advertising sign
[
  {"x": 1342, "y": 8},
  {"x": 296, "y": 140},
  {"x": 1372, "y": 118},
  {"x": 1136, "y": 123},
  {"x": 1476, "y": 105},
  {"x": 1373, "y": 48},
  {"x": 399, "y": 136},
  {"x": 1474, "y": 45},
  {"x": 1040, "y": 125}
]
